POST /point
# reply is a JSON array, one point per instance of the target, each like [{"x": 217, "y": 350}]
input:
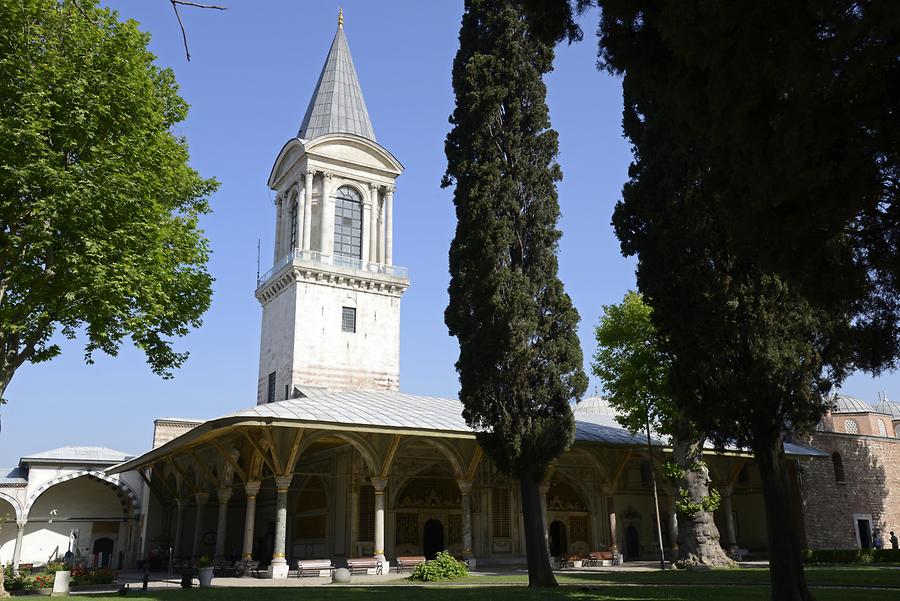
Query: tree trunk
[
  {"x": 540, "y": 573},
  {"x": 698, "y": 537},
  {"x": 3, "y": 592},
  {"x": 785, "y": 561}
]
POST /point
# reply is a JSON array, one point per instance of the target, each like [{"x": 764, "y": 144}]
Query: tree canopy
[
  {"x": 520, "y": 363},
  {"x": 99, "y": 207}
]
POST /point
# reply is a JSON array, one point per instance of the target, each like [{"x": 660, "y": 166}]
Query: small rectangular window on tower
[
  {"x": 348, "y": 320},
  {"x": 270, "y": 393}
]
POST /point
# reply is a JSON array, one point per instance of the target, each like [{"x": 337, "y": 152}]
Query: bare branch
[
  {"x": 199, "y": 5},
  {"x": 83, "y": 14},
  {"x": 175, "y": 4}
]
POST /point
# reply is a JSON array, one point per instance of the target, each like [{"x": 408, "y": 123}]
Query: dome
[
  {"x": 594, "y": 405},
  {"x": 887, "y": 407},
  {"x": 848, "y": 404}
]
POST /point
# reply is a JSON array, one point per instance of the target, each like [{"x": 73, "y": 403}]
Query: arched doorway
[
  {"x": 559, "y": 543},
  {"x": 102, "y": 552},
  {"x": 433, "y": 538},
  {"x": 632, "y": 543}
]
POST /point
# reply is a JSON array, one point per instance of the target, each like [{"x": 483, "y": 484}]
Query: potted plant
[{"x": 205, "y": 571}]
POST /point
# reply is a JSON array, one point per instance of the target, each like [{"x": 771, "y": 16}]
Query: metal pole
[{"x": 662, "y": 552}]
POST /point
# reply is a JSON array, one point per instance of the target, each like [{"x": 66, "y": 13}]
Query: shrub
[
  {"x": 53, "y": 567},
  {"x": 442, "y": 567},
  {"x": 83, "y": 576},
  {"x": 857, "y": 556},
  {"x": 204, "y": 562}
]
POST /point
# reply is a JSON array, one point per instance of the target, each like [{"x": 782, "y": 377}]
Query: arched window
[
  {"x": 294, "y": 217},
  {"x": 851, "y": 427},
  {"x": 882, "y": 428},
  {"x": 348, "y": 223},
  {"x": 897, "y": 430},
  {"x": 838, "y": 463}
]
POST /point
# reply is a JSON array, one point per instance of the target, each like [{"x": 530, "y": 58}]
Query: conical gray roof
[{"x": 337, "y": 104}]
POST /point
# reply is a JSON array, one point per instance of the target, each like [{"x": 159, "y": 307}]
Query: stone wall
[
  {"x": 166, "y": 429},
  {"x": 871, "y": 487}
]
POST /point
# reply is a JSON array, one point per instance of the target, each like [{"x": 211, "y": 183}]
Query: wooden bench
[
  {"x": 409, "y": 562},
  {"x": 363, "y": 565},
  {"x": 313, "y": 567}
]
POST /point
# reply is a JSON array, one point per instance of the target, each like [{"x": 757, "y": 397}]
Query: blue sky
[{"x": 252, "y": 72}]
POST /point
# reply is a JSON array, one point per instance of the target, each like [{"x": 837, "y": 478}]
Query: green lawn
[{"x": 731, "y": 585}]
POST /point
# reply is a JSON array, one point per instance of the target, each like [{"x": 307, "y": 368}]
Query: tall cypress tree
[{"x": 520, "y": 363}]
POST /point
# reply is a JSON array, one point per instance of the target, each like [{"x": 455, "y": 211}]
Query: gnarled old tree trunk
[{"x": 698, "y": 537}]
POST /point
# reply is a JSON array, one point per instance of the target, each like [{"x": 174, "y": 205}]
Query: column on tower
[
  {"x": 327, "y": 221},
  {"x": 389, "y": 226},
  {"x": 374, "y": 237},
  {"x": 307, "y": 209},
  {"x": 278, "y": 226},
  {"x": 297, "y": 205},
  {"x": 367, "y": 224}
]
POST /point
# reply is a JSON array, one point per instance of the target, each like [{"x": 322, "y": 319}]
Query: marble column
[
  {"x": 611, "y": 509},
  {"x": 224, "y": 495},
  {"x": 367, "y": 225},
  {"x": 379, "y": 226},
  {"x": 327, "y": 220},
  {"x": 373, "y": 226},
  {"x": 465, "y": 488},
  {"x": 251, "y": 489},
  {"x": 17, "y": 550},
  {"x": 389, "y": 226},
  {"x": 378, "y": 484},
  {"x": 179, "y": 526},
  {"x": 544, "y": 488},
  {"x": 730, "y": 538},
  {"x": 279, "y": 201},
  {"x": 307, "y": 210},
  {"x": 279, "y": 567},
  {"x": 202, "y": 498}
]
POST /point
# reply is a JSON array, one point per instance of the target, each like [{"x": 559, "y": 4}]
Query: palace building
[{"x": 334, "y": 461}]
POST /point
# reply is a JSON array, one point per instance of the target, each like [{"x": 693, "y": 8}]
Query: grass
[{"x": 733, "y": 585}]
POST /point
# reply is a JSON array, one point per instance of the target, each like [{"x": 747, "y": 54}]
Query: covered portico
[{"x": 343, "y": 475}]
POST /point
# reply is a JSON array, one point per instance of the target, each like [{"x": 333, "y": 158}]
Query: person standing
[
  {"x": 895, "y": 544},
  {"x": 876, "y": 540}
]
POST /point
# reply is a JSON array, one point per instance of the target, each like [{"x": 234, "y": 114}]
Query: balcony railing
[{"x": 314, "y": 256}]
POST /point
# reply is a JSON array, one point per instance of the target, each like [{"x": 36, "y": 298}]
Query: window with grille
[
  {"x": 270, "y": 393},
  {"x": 454, "y": 529},
  {"x": 501, "y": 517},
  {"x": 293, "y": 226},
  {"x": 897, "y": 430},
  {"x": 348, "y": 319},
  {"x": 366, "y": 513},
  {"x": 348, "y": 223},
  {"x": 851, "y": 427},
  {"x": 882, "y": 428}
]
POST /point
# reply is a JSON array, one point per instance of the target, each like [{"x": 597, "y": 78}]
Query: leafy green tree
[
  {"x": 520, "y": 362},
  {"x": 634, "y": 369},
  {"x": 98, "y": 206}
]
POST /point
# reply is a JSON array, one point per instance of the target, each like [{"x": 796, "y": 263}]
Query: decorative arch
[
  {"x": 16, "y": 505},
  {"x": 366, "y": 450},
  {"x": 565, "y": 495},
  {"x": 453, "y": 457},
  {"x": 228, "y": 469},
  {"x": 122, "y": 489},
  {"x": 431, "y": 487}
]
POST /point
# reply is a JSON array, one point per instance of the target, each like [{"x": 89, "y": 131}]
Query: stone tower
[{"x": 331, "y": 301}]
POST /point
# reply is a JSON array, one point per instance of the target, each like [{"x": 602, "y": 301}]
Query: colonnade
[{"x": 294, "y": 218}]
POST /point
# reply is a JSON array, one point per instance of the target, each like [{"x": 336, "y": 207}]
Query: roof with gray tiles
[
  {"x": 887, "y": 407},
  {"x": 843, "y": 403},
  {"x": 13, "y": 475},
  {"x": 337, "y": 104},
  {"x": 76, "y": 454}
]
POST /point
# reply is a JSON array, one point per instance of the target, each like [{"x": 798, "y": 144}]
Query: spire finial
[{"x": 340, "y": 18}]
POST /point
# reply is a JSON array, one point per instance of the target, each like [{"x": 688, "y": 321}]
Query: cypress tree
[{"x": 520, "y": 363}]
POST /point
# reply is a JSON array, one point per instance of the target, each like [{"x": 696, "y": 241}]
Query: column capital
[
  {"x": 224, "y": 495},
  {"x": 179, "y": 502},
  {"x": 465, "y": 486},
  {"x": 310, "y": 172},
  {"x": 378, "y": 484},
  {"x": 251, "y": 488},
  {"x": 201, "y": 497},
  {"x": 282, "y": 483},
  {"x": 389, "y": 190},
  {"x": 328, "y": 175},
  {"x": 726, "y": 490},
  {"x": 20, "y": 524}
]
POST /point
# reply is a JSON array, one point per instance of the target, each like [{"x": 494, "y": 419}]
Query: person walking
[
  {"x": 895, "y": 544},
  {"x": 876, "y": 541}
]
